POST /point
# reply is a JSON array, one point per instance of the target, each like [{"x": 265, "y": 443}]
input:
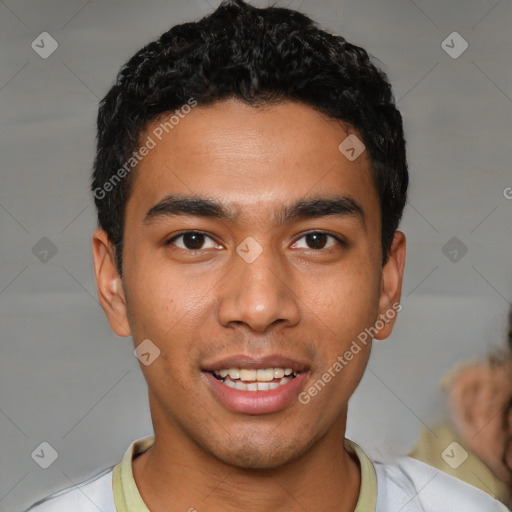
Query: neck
[{"x": 176, "y": 470}]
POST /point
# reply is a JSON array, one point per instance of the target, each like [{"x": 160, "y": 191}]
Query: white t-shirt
[{"x": 404, "y": 485}]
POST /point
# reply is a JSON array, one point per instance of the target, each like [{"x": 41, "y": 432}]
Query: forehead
[{"x": 244, "y": 156}]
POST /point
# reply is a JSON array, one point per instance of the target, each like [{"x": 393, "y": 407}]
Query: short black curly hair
[{"x": 260, "y": 56}]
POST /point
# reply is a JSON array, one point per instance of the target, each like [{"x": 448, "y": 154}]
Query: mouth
[
  {"x": 262, "y": 379},
  {"x": 256, "y": 386}
]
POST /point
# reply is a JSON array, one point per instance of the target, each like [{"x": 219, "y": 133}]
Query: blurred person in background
[{"x": 479, "y": 399}]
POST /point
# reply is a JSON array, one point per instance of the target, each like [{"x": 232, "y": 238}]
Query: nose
[{"x": 258, "y": 294}]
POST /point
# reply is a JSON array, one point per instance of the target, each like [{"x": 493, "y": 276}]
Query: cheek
[
  {"x": 346, "y": 301},
  {"x": 160, "y": 293},
  {"x": 341, "y": 311}
]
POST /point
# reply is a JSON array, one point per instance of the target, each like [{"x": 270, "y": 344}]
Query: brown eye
[
  {"x": 192, "y": 241},
  {"x": 318, "y": 240}
]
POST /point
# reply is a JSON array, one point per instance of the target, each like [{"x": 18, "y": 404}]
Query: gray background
[{"x": 65, "y": 378}]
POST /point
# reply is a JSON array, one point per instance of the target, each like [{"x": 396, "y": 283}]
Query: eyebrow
[{"x": 311, "y": 208}]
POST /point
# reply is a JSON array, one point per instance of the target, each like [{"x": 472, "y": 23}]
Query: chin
[
  {"x": 255, "y": 459},
  {"x": 253, "y": 453}
]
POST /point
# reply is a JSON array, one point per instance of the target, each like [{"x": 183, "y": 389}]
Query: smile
[{"x": 263, "y": 379}]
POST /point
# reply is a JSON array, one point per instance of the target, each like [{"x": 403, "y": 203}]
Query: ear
[
  {"x": 391, "y": 288},
  {"x": 109, "y": 284}
]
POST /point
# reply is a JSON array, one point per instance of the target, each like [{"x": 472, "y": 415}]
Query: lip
[
  {"x": 256, "y": 402},
  {"x": 255, "y": 363}
]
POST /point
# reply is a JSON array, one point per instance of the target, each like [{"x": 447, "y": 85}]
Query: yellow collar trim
[
  {"x": 126, "y": 494},
  {"x": 367, "y": 501}
]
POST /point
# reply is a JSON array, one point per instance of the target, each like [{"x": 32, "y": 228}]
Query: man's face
[{"x": 197, "y": 286}]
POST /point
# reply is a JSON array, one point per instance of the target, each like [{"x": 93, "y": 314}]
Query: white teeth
[
  {"x": 247, "y": 375},
  {"x": 278, "y": 373},
  {"x": 250, "y": 375},
  {"x": 255, "y": 386},
  {"x": 262, "y": 379},
  {"x": 233, "y": 373},
  {"x": 265, "y": 375}
]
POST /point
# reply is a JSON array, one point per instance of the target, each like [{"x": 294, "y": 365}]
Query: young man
[{"x": 249, "y": 179}]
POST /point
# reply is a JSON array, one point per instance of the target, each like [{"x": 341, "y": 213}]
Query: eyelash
[
  {"x": 175, "y": 237},
  {"x": 340, "y": 241}
]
